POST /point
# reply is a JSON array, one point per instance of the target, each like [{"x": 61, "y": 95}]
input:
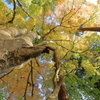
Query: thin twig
[
  {"x": 32, "y": 78},
  {"x": 74, "y": 13},
  {"x": 71, "y": 72},
  {"x": 62, "y": 23},
  {"x": 37, "y": 71},
  {"x": 5, "y": 74},
  {"x": 91, "y": 17},
  {"x": 37, "y": 62},
  {"x": 67, "y": 13},
  {"x": 27, "y": 85},
  {"x": 50, "y": 31}
]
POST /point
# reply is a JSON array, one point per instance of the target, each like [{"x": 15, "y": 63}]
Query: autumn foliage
[{"x": 71, "y": 68}]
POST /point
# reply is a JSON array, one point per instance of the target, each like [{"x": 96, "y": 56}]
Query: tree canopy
[{"x": 61, "y": 45}]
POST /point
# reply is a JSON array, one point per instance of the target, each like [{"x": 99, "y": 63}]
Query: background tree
[{"x": 71, "y": 69}]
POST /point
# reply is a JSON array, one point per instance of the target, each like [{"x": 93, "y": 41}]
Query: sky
[{"x": 92, "y": 1}]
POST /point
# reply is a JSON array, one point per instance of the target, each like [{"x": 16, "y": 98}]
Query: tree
[{"x": 46, "y": 37}]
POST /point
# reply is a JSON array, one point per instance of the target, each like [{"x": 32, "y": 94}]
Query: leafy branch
[
  {"x": 72, "y": 14},
  {"x": 60, "y": 24},
  {"x": 71, "y": 72},
  {"x": 24, "y": 9},
  {"x": 90, "y": 18},
  {"x": 14, "y": 13},
  {"x": 50, "y": 31},
  {"x": 78, "y": 81},
  {"x": 67, "y": 13}
]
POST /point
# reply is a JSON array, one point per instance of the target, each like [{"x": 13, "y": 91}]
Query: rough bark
[
  {"x": 10, "y": 33},
  {"x": 63, "y": 95},
  {"x": 20, "y": 56},
  {"x": 15, "y": 47},
  {"x": 59, "y": 92},
  {"x": 16, "y": 50},
  {"x": 12, "y": 39}
]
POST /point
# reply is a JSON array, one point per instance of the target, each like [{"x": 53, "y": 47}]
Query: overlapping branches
[
  {"x": 72, "y": 15},
  {"x": 67, "y": 13}
]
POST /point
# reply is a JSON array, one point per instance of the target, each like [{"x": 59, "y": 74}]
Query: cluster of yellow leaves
[
  {"x": 89, "y": 68},
  {"x": 67, "y": 16},
  {"x": 5, "y": 13}
]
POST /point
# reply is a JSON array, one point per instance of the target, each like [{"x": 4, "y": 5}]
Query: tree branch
[
  {"x": 24, "y": 9},
  {"x": 74, "y": 13},
  {"x": 89, "y": 29},
  {"x": 6, "y": 74},
  {"x": 71, "y": 72},
  {"x": 14, "y": 13},
  {"x": 67, "y": 13},
  {"x": 50, "y": 31}
]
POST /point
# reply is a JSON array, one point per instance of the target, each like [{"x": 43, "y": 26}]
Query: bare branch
[
  {"x": 5, "y": 74},
  {"x": 26, "y": 85},
  {"x": 32, "y": 83},
  {"x": 37, "y": 62},
  {"x": 14, "y": 13},
  {"x": 37, "y": 71},
  {"x": 69, "y": 27}
]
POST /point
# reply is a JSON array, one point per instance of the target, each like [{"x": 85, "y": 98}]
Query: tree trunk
[
  {"x": 63, "y": 95},
  {"x": 16, "y": 50},
  {"x": 19, "y": 56},
  {"x": 16, "y": 47},
  {"x": 54, "y": 95},
  {"x": 59, "y": 93}
]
